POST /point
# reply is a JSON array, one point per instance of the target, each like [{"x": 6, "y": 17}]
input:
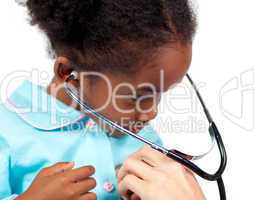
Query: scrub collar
[{"x": 41, "y": 110}]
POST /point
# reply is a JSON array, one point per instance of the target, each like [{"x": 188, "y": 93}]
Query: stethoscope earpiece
[{"x": 74, "y": 75}]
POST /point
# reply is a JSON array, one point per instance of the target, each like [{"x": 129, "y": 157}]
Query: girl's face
[{"x": 131, "y": 99}]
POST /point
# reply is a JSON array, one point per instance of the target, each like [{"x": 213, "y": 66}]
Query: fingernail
[{"x": 92, "y": 169}]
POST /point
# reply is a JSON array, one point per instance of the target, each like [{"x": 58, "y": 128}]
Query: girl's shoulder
[
  {"x": 11, "y": 126},
  {"x": 9, "y": 118}
]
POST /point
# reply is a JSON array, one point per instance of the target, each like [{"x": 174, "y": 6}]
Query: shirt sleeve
[{"x": 5, "y": 185}]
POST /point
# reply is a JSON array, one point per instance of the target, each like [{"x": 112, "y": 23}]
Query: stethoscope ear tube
[
  {"x": 173, "y": 154},
  {"x": 210, "y": 177},
  {"x": 190, "y": 165}
]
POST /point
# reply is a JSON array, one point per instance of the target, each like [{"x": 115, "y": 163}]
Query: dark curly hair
[{"x": 112, "y": 34}]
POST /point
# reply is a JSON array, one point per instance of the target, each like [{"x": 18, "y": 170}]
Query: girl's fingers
[
  {"x": 79, "y": 174},
  {"x": 134, "y": 197},
  {"x": 84, "y": 186},
  {"x": 131, "y": 183},
  {"x": 88, "y": 196},
  {"x": 137, "y": 168},
  {"x": 151, "y": 156},
  {"x": 57, "y": 168}
]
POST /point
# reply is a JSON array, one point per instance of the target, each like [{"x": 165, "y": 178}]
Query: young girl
[{"x": 51, "y": 149}]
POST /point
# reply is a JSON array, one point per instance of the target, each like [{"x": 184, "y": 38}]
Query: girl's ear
[{"x": 62, "y": 68}]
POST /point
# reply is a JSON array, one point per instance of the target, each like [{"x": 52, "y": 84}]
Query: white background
[{"x": 223, "y": 51}]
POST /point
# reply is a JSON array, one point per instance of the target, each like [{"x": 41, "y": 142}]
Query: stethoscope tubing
[{"x": 183, "y": 159}]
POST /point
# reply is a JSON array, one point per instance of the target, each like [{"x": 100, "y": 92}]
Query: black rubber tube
[{"x": 221, "y": 187}]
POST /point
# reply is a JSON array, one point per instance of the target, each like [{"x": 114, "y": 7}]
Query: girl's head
[{"x": 127, "y": 44}]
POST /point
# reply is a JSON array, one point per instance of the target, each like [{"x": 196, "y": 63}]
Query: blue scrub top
[{"x": 37, "y": 131}]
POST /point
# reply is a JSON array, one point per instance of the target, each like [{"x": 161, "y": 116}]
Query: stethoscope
[{"x": 178, "y": 156}]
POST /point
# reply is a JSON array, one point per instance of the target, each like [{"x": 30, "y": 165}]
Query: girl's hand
[
  {"x": 61, "y": 182},
  {"x": 150, "y": 175}
]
